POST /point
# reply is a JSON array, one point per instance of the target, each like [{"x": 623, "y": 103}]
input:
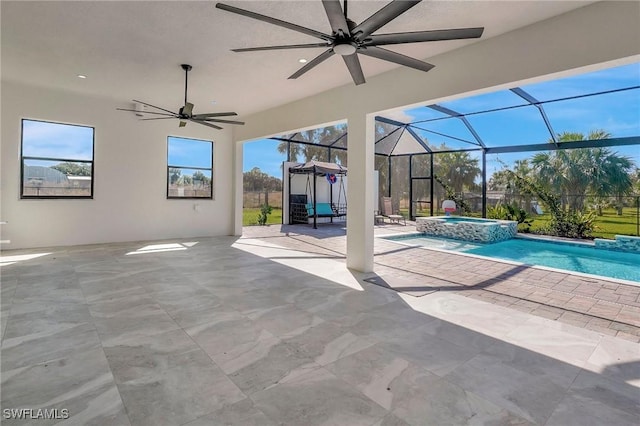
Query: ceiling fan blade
[
  {"x": 288, "y": 46},
  {"x": 153, "y": 106},
  {"x": 217, "y": 120},
  {"x": 387, "y": 55},
  {"x": 157, "y": 118},
  {"x": 182, "y": 123},
  {"x": 146, "y": 112},
  {"x": 274, "y": 21},
  {"x": 212, "y": 114},
  {"x": 353, "y": 63},
  {"x": 187, "y": 109},
  {"x": 204, "y": 123},
  {"x": 382, "y": 17},
  {"x": 336, "y": 17},
  {"x": 312, "y": 63},
  {"x": 422, "y": 36}
]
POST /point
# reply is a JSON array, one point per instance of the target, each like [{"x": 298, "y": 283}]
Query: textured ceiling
[{"x": 134, "y": 49}]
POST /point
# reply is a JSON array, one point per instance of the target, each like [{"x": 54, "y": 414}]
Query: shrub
[
  {"x": 511, "y": 212},
  {"x": 265, "y": 211},
  {"x": 571, "y": 225},
  {"x": 563, "y": 223}
]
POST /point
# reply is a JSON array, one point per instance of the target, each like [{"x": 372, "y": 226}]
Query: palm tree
[
  {"x": 573, "y": 173},
  {"x": 458, "y": 170},
  {"x": 502, "y": 180},
  {"x": 612, "y": 176},
  {"x": 316, "y": 145}
]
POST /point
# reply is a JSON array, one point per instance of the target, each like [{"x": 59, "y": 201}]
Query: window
[
  {"x": 189, "y": 168},
  {"x": 57, "y": 160}
]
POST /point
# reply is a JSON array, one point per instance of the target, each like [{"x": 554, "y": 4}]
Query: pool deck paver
[{"x": 608, "y": 307}]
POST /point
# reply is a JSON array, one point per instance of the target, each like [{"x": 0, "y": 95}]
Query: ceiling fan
[
  {"x": 349, "y": 39},
  {"x": 185, "y": 113}
]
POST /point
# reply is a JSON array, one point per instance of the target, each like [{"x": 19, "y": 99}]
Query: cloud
[{"x": 399, "y": 115}]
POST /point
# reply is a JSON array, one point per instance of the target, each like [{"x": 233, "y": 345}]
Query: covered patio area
[
  {"x": 605, "y": 306},
  {"x": 272, "y": 328}
]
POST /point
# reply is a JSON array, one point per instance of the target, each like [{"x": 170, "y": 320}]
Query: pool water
[{"x": 559, "y": 255}]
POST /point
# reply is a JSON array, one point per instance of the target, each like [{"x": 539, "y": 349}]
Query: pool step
[{"x": 624, "y": 243}]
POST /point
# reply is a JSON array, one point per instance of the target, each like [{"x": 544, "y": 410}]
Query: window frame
[
  {"x": 63, "y": 160},
  {"x": 170, "y": 166}
]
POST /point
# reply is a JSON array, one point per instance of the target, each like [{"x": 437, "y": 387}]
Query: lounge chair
[{"x": 387, "y": 211}]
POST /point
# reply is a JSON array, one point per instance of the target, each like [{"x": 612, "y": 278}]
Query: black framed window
[
  {"x": 189, "y": 168},
  {"x": 56, "y": 160}
]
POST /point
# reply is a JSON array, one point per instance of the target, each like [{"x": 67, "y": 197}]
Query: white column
[
  {"x": 359, "y": 192},
  {"x": 236, "y": 206}
]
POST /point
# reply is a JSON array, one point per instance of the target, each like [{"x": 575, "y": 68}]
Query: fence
[
  {"x": 57, "y": 191},
  {"x": 252, "y": 200}
]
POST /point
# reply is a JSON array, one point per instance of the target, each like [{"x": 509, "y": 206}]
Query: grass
[
  {"x": 250, "y": 217},
  {"x": 607, "y": 226}
]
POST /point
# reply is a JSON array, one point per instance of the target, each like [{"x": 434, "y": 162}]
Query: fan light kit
[
  {"x": 345, "y": 49},
  {"x": 185, "y": 113},
  {"x": 349, "y": 39}
]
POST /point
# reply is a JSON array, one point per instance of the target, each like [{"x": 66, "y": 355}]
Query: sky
[{"x": 617, "y": 113}]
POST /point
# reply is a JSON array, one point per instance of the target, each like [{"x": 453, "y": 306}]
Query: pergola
[{"x": 464, "y": 126}]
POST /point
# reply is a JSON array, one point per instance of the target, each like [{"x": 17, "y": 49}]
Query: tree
[
  {"x": 256, "y": 180},
  {"x": 575, "y": 173},
  {"x": 73, "y": 169},
  {"x": 174, "y": 175},
  {"x": 503, "y": 181},
  {"x": 198, "y": 176},
  {"x": 315, "y": 146},
  {"x": 458, "y": 169}
]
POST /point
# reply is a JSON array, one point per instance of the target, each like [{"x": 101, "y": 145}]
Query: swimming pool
[{"x": 560, "y": 255}]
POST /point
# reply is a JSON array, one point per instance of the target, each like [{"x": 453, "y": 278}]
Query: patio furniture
[
  {"x": 312, "y": 208},
  {"x": 387, "y": 211}
]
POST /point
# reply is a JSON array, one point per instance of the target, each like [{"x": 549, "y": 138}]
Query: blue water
[{"x": 566, "y": 256}]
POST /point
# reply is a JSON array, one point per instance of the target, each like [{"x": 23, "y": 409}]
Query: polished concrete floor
[{"x": 218, "y": 331}]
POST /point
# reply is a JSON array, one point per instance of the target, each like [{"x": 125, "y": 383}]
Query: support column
[
  {"x": 360, "y": 193},
  {"x": 236, "y": 213}
]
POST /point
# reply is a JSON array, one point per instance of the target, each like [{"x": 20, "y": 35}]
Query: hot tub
[{"x": 468, "y": 228}]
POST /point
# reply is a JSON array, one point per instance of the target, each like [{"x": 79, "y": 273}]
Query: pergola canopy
[{"x": 318, "y": 168}]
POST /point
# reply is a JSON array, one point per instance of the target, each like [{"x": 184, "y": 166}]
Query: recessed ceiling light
[
  {"x": 82, "y": 76},
  {"x": 213, "y": 102},
  {"x": 302, "y": 60}
]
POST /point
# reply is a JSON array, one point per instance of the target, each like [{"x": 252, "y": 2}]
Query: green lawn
[
  {"x": 607, "y": 226},
  {"x": 250, "y": 217}
]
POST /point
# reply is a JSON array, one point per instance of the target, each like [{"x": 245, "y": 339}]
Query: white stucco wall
[{"x": 129, "y": 201}]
